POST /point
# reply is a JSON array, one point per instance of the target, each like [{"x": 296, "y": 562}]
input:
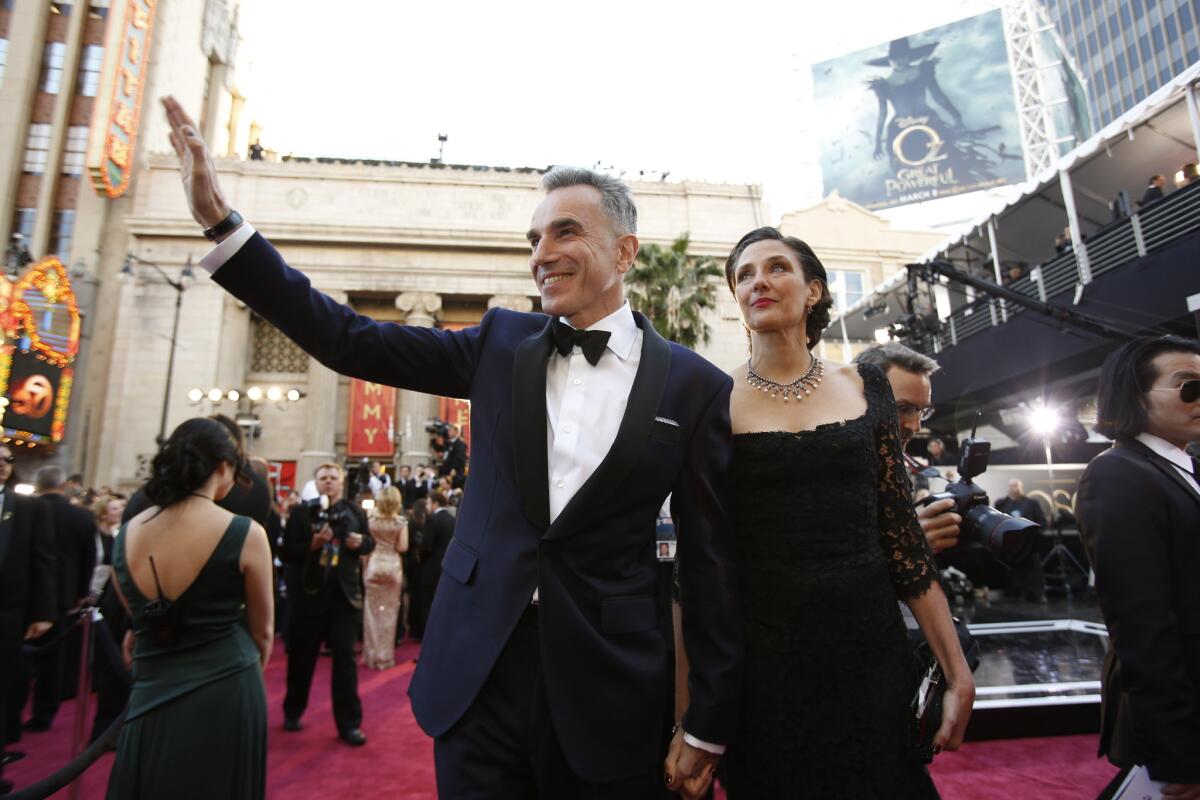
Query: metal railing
[{"x": 1114, "y": 246}]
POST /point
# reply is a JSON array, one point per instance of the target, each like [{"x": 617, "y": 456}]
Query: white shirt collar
[
  {"x": 622, "y": 328},
  {"x": 1170, "y": 452}
]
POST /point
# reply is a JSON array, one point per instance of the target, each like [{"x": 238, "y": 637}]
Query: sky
[{"x": 721, "y": 96}]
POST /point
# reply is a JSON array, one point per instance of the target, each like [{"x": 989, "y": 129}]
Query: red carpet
[{"x": 397, "y": 762}]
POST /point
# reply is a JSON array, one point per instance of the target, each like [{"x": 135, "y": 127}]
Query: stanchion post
[{"x": 83, "y": 696}]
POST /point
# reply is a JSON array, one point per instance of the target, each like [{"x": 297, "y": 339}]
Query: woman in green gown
[{"x": 197, "y": 582}]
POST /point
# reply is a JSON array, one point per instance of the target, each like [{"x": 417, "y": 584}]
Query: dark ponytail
[{"x": 188, "y": 459}]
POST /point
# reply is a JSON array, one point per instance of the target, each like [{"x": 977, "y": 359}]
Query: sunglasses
[{"x": 1189, "y": 391}]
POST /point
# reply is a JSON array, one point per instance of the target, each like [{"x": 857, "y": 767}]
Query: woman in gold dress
[{"x": 383, "y": 577}]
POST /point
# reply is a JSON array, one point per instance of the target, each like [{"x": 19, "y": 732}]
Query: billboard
[
  {"x": 920, "y": 117},
  {"x": 372, "y": 428}
]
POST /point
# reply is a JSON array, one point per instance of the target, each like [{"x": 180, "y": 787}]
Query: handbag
[{"x": 930, "y": 692}]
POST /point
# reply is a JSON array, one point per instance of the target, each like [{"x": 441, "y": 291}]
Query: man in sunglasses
[
  {"x": 908, "y": 372},
  {"x": 1139, "y": 515}
]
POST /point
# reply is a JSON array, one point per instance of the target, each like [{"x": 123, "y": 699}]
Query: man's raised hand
[{"x": 196, "y": 169}]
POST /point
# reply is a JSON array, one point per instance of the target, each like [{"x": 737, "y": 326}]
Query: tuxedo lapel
[
  {"x": 529, "y": 426},
  {"x": 1164, "y": 466},
  {"x": 6, "y": 524},
  {"x": 644, "y": 397}
]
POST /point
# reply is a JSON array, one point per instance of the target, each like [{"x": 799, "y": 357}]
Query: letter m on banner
[{"x": 372, "y": 428}]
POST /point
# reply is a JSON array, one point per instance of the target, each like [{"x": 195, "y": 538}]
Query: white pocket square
[{"x": 666, "y": 421}]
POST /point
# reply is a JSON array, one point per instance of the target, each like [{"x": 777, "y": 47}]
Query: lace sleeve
[{"x": 909, "y": 558}]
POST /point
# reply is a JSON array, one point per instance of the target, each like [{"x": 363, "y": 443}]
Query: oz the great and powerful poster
[{"x": 920, "y": 117}]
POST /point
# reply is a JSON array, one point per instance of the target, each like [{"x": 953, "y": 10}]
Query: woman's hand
[{"x": 956, "y": 710}]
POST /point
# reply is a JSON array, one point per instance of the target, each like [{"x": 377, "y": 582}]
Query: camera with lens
[
  {"x": 320, "y": 515},
  {"x": 439, "y": 431},
  {"x": 1009, "y": 539}
]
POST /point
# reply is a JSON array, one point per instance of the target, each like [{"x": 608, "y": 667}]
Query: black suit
[
  {"x": 28, "y": 587},
  {"x": 325, "y": 606},
  {"x": 438, "y": 531},
  {"x": 455, "y": 460},
  {"x": 600, "y": 674},
  {"x": 75, "y": 551},
  {"x": 1140, "y": 522}
]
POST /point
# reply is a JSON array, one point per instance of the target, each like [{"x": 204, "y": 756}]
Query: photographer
[
  {"x": 323, "y": 541},
  {"x": 908, "y": 373},
  {"x": 454, "y": 462}
]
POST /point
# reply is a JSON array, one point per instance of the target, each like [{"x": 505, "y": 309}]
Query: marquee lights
[{"x": 118, "y": 109}]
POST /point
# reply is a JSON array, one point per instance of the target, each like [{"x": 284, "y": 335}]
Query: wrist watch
[{"x": 223, "y": 227}]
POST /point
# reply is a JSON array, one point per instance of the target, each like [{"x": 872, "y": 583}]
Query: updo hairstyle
[
  {"x": 188, "y": 458},
  {"x": 818, "y": 318}
]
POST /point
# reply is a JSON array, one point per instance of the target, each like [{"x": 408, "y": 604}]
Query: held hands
[
  {"x": 939, "y": 524},
  {"x": 956, "y": 710},
  {"x": 689, "y": 770},
  {"x": 36, "y": 630},
  {"x": 354, "y": 540},
  {"x": 196, "y": 168}
]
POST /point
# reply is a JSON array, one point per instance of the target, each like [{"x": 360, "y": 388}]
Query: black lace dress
[{"x": 827, "y": 542}]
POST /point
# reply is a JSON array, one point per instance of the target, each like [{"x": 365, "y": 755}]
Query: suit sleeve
[
  {"x": 707, "y": 584},
  {"x": 1123, "y": 519},
  {"x": 86, "y": 535},
  {"x": 297, "y": 537},
  {"x": 43, "y": 602},
  {"x": 419, "y": 359},
  {"x": 364, "y": 527}
]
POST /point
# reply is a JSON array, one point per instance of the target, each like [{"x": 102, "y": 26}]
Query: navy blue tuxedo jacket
[{"x": 603, "y": 655}]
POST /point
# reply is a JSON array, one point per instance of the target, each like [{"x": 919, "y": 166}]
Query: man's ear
[{"x": 627, "y": 250}]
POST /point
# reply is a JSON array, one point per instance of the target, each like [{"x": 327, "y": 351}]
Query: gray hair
[
  {"x": 894, "y": 354},
  {"x": 48, "y": 478},
  {"x": 615, "y": 195}
]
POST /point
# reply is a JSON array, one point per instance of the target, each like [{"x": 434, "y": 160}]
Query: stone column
[
  {"x": 320, "y": 408},
  {"x": 420, "y": 309},
  {"x": 515, "y": 302}
]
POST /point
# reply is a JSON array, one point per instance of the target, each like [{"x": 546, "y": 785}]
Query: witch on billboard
[{"x": 932, "y": 154}]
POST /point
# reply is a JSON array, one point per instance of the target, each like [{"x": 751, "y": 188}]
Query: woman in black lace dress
[{"x": 827, "y": 541}]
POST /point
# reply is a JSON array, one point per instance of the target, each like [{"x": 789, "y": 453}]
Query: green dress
[{"x": 197, "y": 720}]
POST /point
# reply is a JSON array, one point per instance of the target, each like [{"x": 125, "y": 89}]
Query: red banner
[{"x": 372, "y": 430}]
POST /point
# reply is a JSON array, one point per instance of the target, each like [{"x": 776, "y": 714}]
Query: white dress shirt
[
  {"x": 584, "y": 404},
  {"x": 1179, "y": 459}
]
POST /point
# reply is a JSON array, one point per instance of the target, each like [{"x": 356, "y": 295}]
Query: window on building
[
  {"x": 37, "y": 148},
  {"x": 98, "y": 9},
  {"x": 75, "y": 150},
  {"x": 52, "y": 67},
  {"x": 89, "y": 70},
  {"x": 23, "y": 223},
  {"x": 60, "y": 8},
  {"x": 64, "y": 228},
  {"x": 272, "y": 351},
  {"x": 847, "y": 287}
]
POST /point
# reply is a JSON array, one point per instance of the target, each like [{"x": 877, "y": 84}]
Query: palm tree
[{"x": 674, "y": 290}]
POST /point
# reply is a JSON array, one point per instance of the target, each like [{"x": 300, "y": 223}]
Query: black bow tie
[{"x": 592, "y": 343}]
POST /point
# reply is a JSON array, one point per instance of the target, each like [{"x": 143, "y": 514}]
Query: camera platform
[{"x": 1037, "y": 676}]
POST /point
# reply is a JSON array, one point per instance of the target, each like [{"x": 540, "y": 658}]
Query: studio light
[
  {"x": 195, "y": 395},
  {"x": 274, "y": 394},
  {"x": 1043, "y": 419},
  {"x": 293, "y": 395},
  {"x": 254, "y": 393},
  {"x": 234, "y": 395},
  {"x": 215, "y": 394}
]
